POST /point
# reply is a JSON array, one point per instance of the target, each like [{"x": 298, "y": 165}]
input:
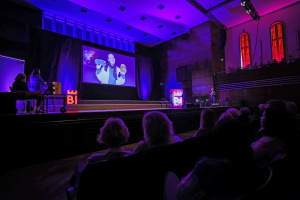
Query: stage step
[
  {"x": 121, "y": 102},
  {"x": 83, "y": 107}
]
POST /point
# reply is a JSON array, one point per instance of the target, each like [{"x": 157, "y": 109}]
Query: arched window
[
  {"x": 245, "y": 49},
  {"x": 277, "y": 41}
]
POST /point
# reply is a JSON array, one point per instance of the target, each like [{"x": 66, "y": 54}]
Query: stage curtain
[
  {"x": 144, "y": 76},
  {"x": 57, "y": 56}
]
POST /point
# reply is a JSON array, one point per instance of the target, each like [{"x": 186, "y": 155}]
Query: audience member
[
  {"x": 21, "y": 90},
  {"x": 244, "y": 114},
  {"x": 261, "y": 108},
  {"x": 291, "y": 108},
  {"x": 274, "y": 134},
  {"x": 255, "y": 66},
  {"x": 261, "y": 64},
  {"x": 234, "y": 112},
  {"x": 228, "y": 173},
  {"x": 114, "y": 134},
  {"x": 283, "y": 60},
  {"x": 158, "y": 131},
  {"x": 225, "y": 115},
  {"x": 208, "y": 119},
  {"x": 290, "y": 59},
  {"x": 36, "y": 82}
]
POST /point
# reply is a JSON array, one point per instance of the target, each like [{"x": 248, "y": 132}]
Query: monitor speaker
[{"x": 222, "y": 39}]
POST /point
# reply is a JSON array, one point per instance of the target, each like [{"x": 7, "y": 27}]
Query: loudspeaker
[{"x": 222, "y": 40}]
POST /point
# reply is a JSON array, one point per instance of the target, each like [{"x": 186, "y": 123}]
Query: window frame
[
  {"x": 277, "y": 41},
  {"x": 244, "y": 64}
]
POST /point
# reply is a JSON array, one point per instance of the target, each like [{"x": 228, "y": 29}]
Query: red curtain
[
  {"x": 244, "y": 41},
  {"x": 277, "y": 41}
]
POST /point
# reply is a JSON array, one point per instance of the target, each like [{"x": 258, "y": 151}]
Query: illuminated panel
[
  {"x": 176, "y": 96},
  {"x": 277, "y": 41},
  {"x": 71, "y": 96},
  {"x": 245, "y": 53}
]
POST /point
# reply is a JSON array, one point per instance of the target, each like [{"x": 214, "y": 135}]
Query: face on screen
[
  {"x": 111, "y": 59},
  {"x": 104, "y": 67}
]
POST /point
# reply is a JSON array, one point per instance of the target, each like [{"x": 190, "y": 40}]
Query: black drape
[{"x": 57, "y": 56}]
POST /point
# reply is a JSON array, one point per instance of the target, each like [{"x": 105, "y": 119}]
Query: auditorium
[{"x": 160, "y": 99}]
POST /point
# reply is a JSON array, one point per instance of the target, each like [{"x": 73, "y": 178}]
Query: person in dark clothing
[
  {"x": 37, "y": 84},
  {"x": 21, "y": 90}
]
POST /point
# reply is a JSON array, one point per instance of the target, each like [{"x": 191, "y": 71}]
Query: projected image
[{"x": 104, "y": 67}]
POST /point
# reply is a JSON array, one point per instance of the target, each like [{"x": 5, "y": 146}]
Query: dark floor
[{"x": 46, "y": 181}]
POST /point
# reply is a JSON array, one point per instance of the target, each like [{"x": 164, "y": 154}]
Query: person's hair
[
  {"x": 261, "y": 108},
  {"x": 20, "y": 76},
  {"x": 36, "y": 71},
  {"x": 158, "y": 129},
  {"x": 244, "y": 111},
  {"x": 275, "y": 121},
  {"x": 234, "y": 112},
  {"x": 275, "y": 103},
  {"x": 208, "y": 118},
  {"x": 114, "y": 133},
  {"x": 230, "y": 138},
  {"x": 291, "y": 108},
  {"x": 225, "y": 115}
]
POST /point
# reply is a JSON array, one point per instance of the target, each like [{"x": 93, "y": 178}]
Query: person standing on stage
[{"x": 212, "y": 96}]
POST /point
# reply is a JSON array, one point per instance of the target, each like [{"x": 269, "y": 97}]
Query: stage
[{"x": 35, "y": 138}]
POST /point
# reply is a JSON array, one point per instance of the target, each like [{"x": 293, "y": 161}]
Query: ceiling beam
[
  {"x": 224, "y": 3},
  {"x": 207, "y": 14}
]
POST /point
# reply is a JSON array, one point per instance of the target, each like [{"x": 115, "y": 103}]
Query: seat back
[
  {"x": 170, "y": 185},
  {"x": 117, "y": 179},
  {"x": 130, "y": 176},
  {"x": 277, "y": 156},
  {"x": 258, "y": 193}
]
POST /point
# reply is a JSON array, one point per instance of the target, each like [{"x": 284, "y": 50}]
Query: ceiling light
[
  {"x": 122, "y": 8},
  {"x": 177, "y": 16},
  {"x": 83, "y": 9},
  {"x": 160, "y": 6},
  {"x": 250, "y": 9},
  {"x": 143, "y": 18}
]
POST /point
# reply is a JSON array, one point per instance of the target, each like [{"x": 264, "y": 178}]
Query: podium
[{"x": 54, "y": 88}]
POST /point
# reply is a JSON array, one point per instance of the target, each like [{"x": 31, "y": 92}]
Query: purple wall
[{"x": 289, "y": 16}]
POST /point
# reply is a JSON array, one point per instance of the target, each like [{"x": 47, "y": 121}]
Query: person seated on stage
[
  {"x": 158, "y": 131},
  {"x": 208, "y": 119},
  {"x": 21, "y": 90},
  {"x": 36, "y": 82},
  {"x": 114, "y": 134}
]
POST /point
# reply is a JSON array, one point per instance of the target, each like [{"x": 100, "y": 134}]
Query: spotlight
[
  {"x": 83, "y": 9},
  {"x": 250, "y": 9}
]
